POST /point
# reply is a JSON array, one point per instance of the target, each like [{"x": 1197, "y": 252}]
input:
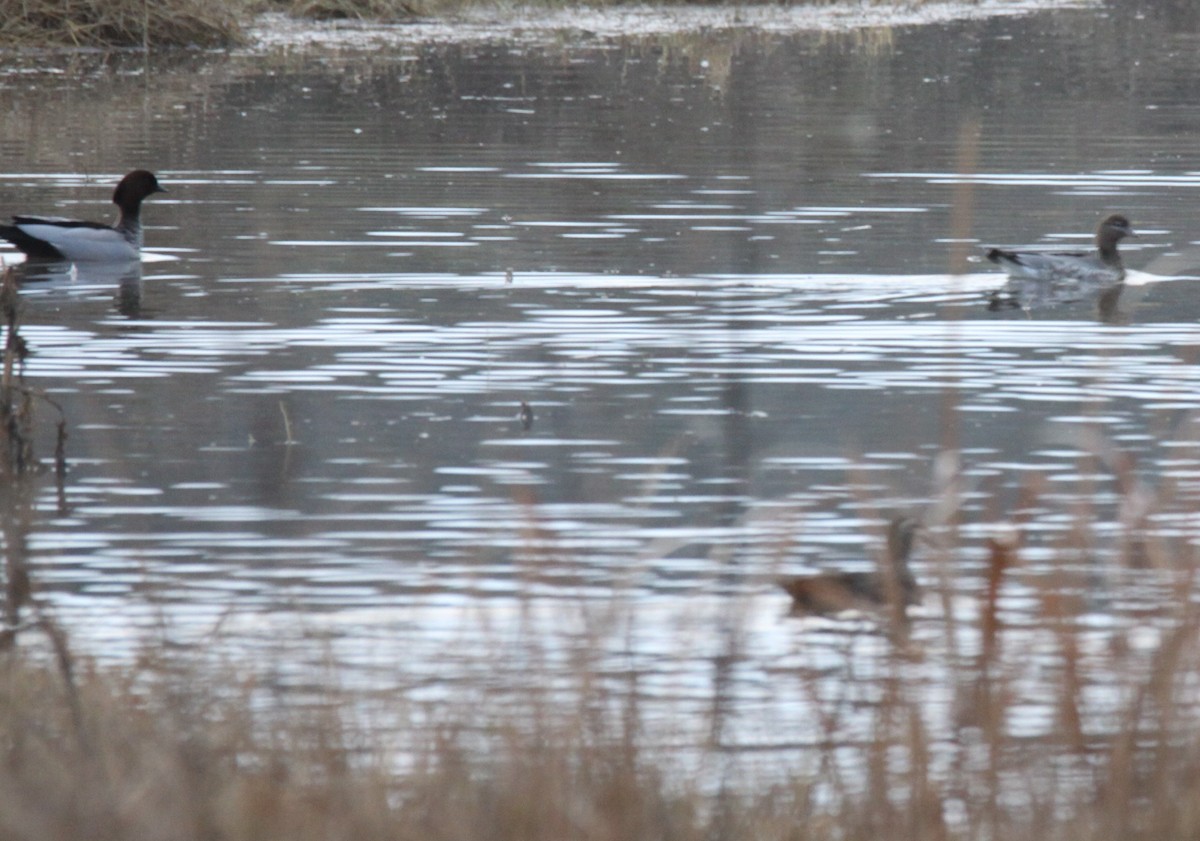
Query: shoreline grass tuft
[{"x": 119, "y": 23}]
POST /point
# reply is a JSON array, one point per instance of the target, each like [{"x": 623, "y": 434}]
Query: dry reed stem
[{"x": 1070, "y": 720}]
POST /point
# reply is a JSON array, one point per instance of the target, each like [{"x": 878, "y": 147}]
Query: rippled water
[{"x": 719, "y": 271}]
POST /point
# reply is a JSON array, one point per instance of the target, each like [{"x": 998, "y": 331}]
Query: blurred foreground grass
[{"x": 157, "y": 750}]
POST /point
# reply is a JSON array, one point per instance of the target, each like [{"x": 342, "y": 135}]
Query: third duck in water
[{"x": 834, "y": 592}]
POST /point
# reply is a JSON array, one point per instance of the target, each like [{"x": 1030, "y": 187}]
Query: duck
[
  {"x": 830, "y": 593},
  {"x": 55, "y": 238},
  {"x": 1102, "y": 266}
]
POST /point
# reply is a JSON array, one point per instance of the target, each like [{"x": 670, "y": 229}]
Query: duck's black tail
[{"x": 30, "y": 246}]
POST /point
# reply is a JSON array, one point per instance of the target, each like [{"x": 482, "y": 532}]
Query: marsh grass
[
  {"x": 381, "y": 10},
  {"x": 120, "y": 23},
  {"x": 399, "y": 9},
  {"x": 222, "y": 23},
  {"x": 187, "y": 746}
]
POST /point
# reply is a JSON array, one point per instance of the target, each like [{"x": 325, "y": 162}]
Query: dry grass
[
  {"x": 119, "y": 23},
  {"x": 399, "y": 10},
  {"x": 220, "y": 23},
  {"x": 155, "y": 752},
  {"x": 381, "y": 10},
  {"x": 175, "y": 747}
]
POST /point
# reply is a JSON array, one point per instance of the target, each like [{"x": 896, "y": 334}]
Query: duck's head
[
  {"x": 1114, "y": 229},
  {"x": 134, "y": 187},
  {"x": 902, "y": 532}
]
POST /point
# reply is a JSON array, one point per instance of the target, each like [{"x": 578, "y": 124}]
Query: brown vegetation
[
  {"x": 172, "y": 747},
  {"x": 382, "y": 10},
  {"x": 157, "y": 752},
  {"x": 211, "y": 23},
  {"x": 119, "y": 23}
]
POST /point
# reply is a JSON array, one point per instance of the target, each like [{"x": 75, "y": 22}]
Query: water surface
[{"x": 726, "y": 275}]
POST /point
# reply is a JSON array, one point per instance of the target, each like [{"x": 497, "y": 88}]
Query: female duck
[
  {"x": 833, "y": 592},
  {"x": 54, "y": 238},
  {"x": 1102, "y": 266}
]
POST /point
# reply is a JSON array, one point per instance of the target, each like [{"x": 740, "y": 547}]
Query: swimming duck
[
  {"x": 834, "y": 592},
  {"x": 54, "y": 238},
  {"x": 1103, "y": 265}
]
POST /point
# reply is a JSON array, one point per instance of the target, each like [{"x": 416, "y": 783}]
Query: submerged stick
[{"x": 287, "y": 425}]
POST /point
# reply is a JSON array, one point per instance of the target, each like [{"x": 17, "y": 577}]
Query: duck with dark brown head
[
  {"x": 893, "y": 583},
  {"x": 1103, "y": 265},
  {"x": 55, "y": 238}
]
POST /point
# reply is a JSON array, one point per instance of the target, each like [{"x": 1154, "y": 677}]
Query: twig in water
[
  {"x": 287, "y": 425},
  {"x": 60, "y": 465}
]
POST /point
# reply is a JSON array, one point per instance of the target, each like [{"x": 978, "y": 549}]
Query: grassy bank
[
  {"x": 219, "y": 23},
  {"x": 174, "y": 23},
  {"x": 120, "y": 23}
]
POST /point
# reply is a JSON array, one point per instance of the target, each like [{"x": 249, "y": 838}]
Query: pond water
[{"x": 733, "y": 276}]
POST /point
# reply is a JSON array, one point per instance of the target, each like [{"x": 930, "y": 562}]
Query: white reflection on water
[{"x": 1091, "y": 182}]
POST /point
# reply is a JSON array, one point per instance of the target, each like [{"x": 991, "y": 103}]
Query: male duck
[
  {"x": 1102, "y": 266},
  {"x": 54, "y": 238},
  {"x": 834, "y": 592}
]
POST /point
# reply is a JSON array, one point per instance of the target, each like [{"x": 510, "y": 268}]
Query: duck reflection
[
  {"x": 125, "y": 275},
  {"x": 1031, "y": 295}
]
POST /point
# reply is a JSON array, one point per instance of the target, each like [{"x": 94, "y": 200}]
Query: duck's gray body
[
  {"x": 1103, "y": 265},
  {"x": 55, "y": 238}
]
